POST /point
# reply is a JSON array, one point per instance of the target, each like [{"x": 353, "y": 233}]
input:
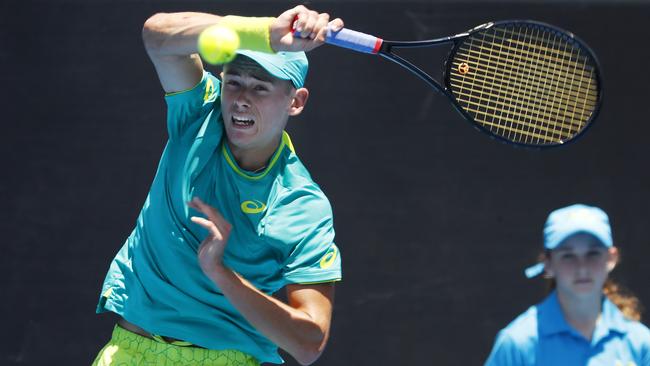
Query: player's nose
[{"x": 242, "y": 100}]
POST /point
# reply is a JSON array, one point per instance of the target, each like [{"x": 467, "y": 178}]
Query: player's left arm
[{"x": 300, "y": 327}]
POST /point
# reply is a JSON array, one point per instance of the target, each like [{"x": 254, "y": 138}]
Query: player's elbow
[
  {"x": 307, "y": 356},
  {"x": 308, "y": 352},
  {"x": 153, "y": 32}
]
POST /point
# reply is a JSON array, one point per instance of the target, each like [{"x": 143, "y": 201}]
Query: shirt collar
[
  {"x": 285, "y": 143},
  {"x": 552, "y": 321},
  {"x": 551, "y": 318},
  {"x": 611, "y": 319}
]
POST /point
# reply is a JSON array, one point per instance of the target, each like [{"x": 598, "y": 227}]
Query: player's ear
[
  {"x": 612, "y": 258},
  {"x": 298, "y": 101},
  {"x": 548, "y": 270}
]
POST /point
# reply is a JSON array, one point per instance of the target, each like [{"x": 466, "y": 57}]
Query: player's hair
[{"x": 620, "y": 296}]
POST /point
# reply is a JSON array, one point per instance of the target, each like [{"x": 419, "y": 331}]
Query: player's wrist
[
  {"x": 215, "y": 270},
  {"x": 254, "y": 32}
]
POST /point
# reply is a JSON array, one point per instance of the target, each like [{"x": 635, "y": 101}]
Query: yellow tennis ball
[{"x": 218, "y": 45}]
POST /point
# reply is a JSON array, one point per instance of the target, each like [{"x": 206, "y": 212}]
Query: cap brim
[
  {"x": 558, "y": 241},
  {"x": 535, "y": 270}
]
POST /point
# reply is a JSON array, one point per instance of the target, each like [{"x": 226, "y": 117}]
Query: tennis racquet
[{"x": 522, "y": 82}]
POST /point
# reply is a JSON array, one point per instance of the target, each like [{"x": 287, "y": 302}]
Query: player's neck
[
  {"x": 253, "y": 159},
  {"x": 582, "y": 313}
]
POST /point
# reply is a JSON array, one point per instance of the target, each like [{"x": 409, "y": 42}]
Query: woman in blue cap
[{"x": 585, "y": 320}]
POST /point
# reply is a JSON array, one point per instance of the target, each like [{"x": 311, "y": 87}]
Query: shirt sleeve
[
  {"x": 187, "y": 110},
  {"x": 506, "y": 352},
  {"x": 641, "y": 336},
  {"x": 304, "y": 223},
  {"x": 645, "y": 358}
]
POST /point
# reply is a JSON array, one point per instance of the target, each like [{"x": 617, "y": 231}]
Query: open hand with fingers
[{"x": 210, "y": 254}]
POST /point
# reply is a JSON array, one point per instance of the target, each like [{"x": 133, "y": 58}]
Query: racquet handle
[
  {"x": 354, "y": 40},
  {"x": 347, "y": 38}
]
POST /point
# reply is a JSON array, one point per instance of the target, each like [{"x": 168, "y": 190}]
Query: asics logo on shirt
[
  {"x": 329, "y": 258},
  {"x": 209, "y": 90},
  {"x": 252, "y": 207}
]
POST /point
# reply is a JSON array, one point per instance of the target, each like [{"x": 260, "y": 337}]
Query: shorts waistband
[
  {"x": 130, "y": 327},
  {"x": 128, "y": 341}
]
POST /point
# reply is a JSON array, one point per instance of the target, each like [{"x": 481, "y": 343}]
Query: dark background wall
[{"x": 435, "y": 221}]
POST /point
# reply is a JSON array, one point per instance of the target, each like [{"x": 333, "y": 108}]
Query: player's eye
[
  {"x": 568, "y": 256},
  {"x": 594, "y": 254}
]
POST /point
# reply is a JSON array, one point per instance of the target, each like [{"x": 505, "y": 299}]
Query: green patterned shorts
[{"x": 126, "y": 348}]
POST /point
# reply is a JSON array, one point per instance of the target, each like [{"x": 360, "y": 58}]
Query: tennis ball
[{"x": 218, "y": 45}]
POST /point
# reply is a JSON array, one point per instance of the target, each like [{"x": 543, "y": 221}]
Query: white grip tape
[{"x": 354, "y": 40}]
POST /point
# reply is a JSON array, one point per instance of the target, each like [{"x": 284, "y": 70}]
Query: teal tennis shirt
[
  {"x": 542, "y": 337},
  {"x": 282, "y": 233}
]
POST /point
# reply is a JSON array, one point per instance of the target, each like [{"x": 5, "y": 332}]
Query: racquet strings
[{"x": 526, "y": 83}]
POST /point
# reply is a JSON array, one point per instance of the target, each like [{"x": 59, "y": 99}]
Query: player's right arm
[{"x": 171, "y": 42}]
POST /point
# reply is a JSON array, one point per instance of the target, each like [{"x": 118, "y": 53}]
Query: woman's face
[{"x": 580, "y": 265}]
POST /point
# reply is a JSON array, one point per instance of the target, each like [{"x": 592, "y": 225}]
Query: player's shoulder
[
  {"x": 516, "y": 343},
  {"x": 298, "y": 193},
  {"x": 295, "y": 176},
  {"x": 615, "y": 319},
  {"x": 297, "y": 208},
  {"x": 295, "y": 192},
  {"x": 523, "y": 330},
  {"x": 638, "y": 333},
  {"x": 296, "y": 182},
  {"x": 194, "y": 103}
]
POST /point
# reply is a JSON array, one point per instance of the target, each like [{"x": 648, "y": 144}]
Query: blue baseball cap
[
  {"x": 291, "y": 66},
  {"x": 565, "y": 222}
]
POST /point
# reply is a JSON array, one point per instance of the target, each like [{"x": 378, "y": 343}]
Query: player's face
[
  {"x": 580, "y": 265},
  {"x": 255, "y": 106}
]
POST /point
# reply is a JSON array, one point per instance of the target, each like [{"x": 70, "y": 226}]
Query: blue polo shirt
[
  {"x": 282, "y": 233},
  {"x": 541, "y": 336}
]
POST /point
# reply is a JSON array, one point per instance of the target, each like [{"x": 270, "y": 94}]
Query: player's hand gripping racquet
[{"x": 524, "y": 82}]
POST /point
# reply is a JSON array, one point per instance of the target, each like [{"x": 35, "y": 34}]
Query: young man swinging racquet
[{"x": 232, "y": 215}]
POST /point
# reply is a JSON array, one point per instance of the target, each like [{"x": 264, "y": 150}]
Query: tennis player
[
  {"x": 586, "y": 320},
  {"x": 232, "y": 215}
]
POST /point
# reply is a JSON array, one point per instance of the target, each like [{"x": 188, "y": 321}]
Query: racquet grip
[{"x": 354, "y": 40}]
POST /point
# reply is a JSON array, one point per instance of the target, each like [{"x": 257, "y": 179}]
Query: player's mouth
[
  {"x": 583, "y": 281},
  {"x": 242, "y": 122}
]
